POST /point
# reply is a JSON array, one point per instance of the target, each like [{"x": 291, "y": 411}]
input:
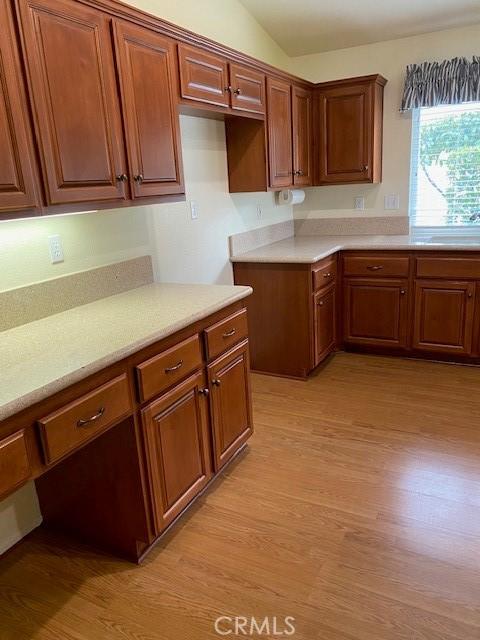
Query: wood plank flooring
[{"x": 356, "y": 511}]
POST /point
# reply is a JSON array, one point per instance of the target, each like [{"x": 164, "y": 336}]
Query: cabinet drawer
[
  {"x": 324, "y": 274},
  {"x": 14, "y": 464},
  {"x": 83, "y": 419},
  {"x": 376, "y": 265},
  {"x": 452, "y": 268},
  {"x": 167, "y": 368},
  {"x": 224, "y": 334}
]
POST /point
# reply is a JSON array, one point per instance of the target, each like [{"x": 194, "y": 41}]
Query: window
[{"x": 445, "y": 180}]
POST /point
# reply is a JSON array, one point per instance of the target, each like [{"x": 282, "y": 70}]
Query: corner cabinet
[
  {"x": 349, "y": 131},
  {"x": 17, "y": 173}
]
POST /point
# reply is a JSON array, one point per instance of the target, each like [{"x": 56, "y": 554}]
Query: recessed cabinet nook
[
  {"x": 90, "y": 99},
  {"x": 421, "y": 304}
]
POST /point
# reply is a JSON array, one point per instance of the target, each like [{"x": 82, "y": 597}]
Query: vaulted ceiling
[{"x": 312, "y": 26}]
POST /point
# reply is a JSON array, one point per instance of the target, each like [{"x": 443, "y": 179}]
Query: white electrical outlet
[
  {"x": 193, "y": 210},
  {"x": 392, "y": 202},
  {"x": 359, "y": 203},
  {"x": 56, "y": 249},
  {"x": 259, "y": 211}
]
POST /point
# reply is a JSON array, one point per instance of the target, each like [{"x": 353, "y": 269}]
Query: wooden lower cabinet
[
  {"x": 325, "y": 312},
  {"x": 444, "y": 316},
  {"x": 376, "y": 312},
  {"x": 178, "y": 448},
  {"x": 230, "y": 403}
]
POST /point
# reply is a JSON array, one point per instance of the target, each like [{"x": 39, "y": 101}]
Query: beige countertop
[
  {"x": 307, "y": 249},
  {"x": 42, "y": 357}
]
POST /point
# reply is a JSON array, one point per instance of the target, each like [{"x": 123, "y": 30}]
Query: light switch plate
[
  {"x": 359, "y": 203},
  {"x": 193, "y": 210},
  {"x": 392, "y": 202}
]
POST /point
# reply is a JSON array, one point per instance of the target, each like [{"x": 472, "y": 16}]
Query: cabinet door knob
[
  {"x": 320, "y": 304},
  {"x": 402, "y": 292},
  {"x": 203, "y": 392},
  {"x": 237, "y": 91},
  {"x": 228, "y": 89},
  {"x": 216, "y": 382},
  {"x": 327, "y": 275},
  {"x": 365, "y": 167},
  {"x": 138, "y": 178},
  {"x": 122, "y": 177}
]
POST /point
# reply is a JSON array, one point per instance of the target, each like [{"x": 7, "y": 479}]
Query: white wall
[{"x": 389, "y": 59}]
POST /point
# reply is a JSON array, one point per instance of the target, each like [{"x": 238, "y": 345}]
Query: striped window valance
[{"x": 431, "y": 84}]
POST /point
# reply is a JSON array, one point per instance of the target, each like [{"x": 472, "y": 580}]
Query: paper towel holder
[{"x": 290, "y": 196}]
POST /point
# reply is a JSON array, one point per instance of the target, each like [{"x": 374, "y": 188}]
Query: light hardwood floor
[{"x": 356, "y": 510}]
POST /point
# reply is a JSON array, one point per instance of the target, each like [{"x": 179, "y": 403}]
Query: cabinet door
[
  {"x": 376, "y": 312},
  {"x": 229, "y": 378},
  {"x": 324, "y": 322},
  {"x": 203, "y": 76},
  {"x": 146, "y": 63},
  {"x": 17, "y": 178},
  {"x": 248, "y": 89},
  {"x": 70, "y": 61},
  {"x": 302, "y": 136},
  {"x": 444, "y": 313},
  {"x": 279, "y": 133},
  {"x": 176, "y": 430},
  {"x": 345, "y": 136}
]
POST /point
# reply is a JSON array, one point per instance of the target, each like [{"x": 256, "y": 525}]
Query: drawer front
[
  {"x": 162, "y": 371},
  {"x": 451, "y": 268},
  {"x": 14, "y": 463},
  {"x": 324, "y": 275},
  {"x": 376, "y": 265},
  {"x": 224, "y": 334},
  {"x": 83, "y": 419}
]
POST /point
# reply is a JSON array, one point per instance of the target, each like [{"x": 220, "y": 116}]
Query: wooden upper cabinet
[
  {"x": 279, "y": 133},
  {"x": 147, "y": 73},
  {"x": 203, "y": 76},
  {"x": 444, "y": 316},
  {"x": 302, "y": 113},
  {"x": 350, "y": 124},
  {"x": 247, "y": 88},
  {"x": 69, "y": 56},
  {"x": 17, "y": 178}
]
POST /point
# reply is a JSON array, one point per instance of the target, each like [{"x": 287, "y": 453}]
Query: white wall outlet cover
[
  {"x": 359, "y": 203},
  {"x": 193, "y": 210},
  {"x": 392, "y": 202},
  {"x": 259, "y": 211},
  {"x": 56, "y": 249}
]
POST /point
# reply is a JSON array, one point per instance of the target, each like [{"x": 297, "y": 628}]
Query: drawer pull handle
[
  {"x": 175, "y": 367},
  {"x": 216, "y": 382},
  {"x": 83, "y": 422},
  {"x": 375, "y": 267},
  {"x": 229, "y": 334},
  {"x": 327, "y": 275}
]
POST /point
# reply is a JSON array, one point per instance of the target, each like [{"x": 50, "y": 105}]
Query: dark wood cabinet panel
[
  {"x": 376, "y": 312},
  {"x": 203, "y": 76},
  {"x": 350, "y": 117},
  {"x": 279, "y": 133},
  {"x": 230, "y": 403},
  {"x": 147, "y": 72},
  {"x": 325, "y": 313},
  {"x": 247, "y": 89},
  {"x": 302, "y": 113},
  {"x": 17, "y": 177},
  {"x": 70, "y": 61},
  {"x": 444, "y": 316},
  {"x": 176, "y": 428}
]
